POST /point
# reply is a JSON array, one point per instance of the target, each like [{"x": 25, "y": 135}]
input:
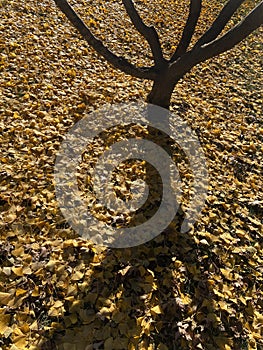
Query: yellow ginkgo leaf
[
  {"x": 18, "y": 271},
  {"x": 20, "y": 291},
  {"x": 4, "y": 323},
  {"x": 5, "y": 298},
  {"x": 156, "y": 310}
]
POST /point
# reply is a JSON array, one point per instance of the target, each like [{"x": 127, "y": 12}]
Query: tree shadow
[{"x": 160, "y": 292}]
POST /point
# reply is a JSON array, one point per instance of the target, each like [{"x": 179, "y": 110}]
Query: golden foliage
[{"x": 200, "y": 290}]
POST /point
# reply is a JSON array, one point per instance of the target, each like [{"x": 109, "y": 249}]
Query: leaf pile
[{"x": 200, "y": 290}]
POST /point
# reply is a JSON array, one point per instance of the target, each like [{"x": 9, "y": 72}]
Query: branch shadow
[{"x": 160, "y": 292}]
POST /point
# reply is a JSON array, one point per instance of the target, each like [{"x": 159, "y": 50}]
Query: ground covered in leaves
[{"x": 200, "y": 290}]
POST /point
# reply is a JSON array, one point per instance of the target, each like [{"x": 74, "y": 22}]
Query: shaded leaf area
[{"x": 200, "y": 290}]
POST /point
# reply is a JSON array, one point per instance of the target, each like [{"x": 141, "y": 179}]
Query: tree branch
[
  {"x": 117, "y": 61},
  {"x": 250, "y": 23},
  {"x": 149, "y": 33},
  {"x": 220, "y": 22},
  {"x": 194, "y": 13}
]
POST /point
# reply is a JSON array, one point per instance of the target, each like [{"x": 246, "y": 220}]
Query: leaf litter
[{"x": 200, "y": 290}]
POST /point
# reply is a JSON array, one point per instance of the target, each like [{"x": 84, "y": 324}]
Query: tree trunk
[{"x": 161, "y": 93}]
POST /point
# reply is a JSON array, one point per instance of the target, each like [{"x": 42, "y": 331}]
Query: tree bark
[
  {"x": 234, "y": 36},
  {"x": 166, "y": 73},
  {"x": 161, "y": 93},
  {"x": 149, "y": 33},
  {"x": 118, "y": 62},
  {"x": 220, "y": 22},
  {"x": 194, "y": 13}
]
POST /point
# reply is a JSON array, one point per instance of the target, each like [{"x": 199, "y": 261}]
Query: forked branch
[
  {"x": 194, "y": 13},
  {"x": 117, "y": 61},
  {"x": 149, "y": 33},
  {"x": 220, "y": 22},
  {"x": 164, "y": 73},
  {"x": 234, "y": 36}
]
